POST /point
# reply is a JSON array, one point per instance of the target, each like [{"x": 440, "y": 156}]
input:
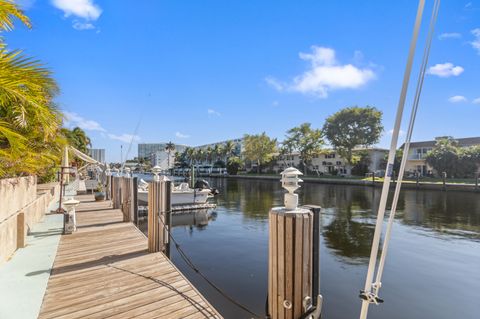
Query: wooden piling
[
  {"x": 289, "y": 262},
  {"x": 159, "y": 205}
]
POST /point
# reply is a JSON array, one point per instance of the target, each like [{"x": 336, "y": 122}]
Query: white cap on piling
[{"x": 290, "y": 182}]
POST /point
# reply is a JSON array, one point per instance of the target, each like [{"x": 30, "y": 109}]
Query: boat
[{"x": 181, "y": 194}]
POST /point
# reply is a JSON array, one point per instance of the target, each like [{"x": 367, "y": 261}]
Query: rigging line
[
  {"x": 131, "y": 142},
  {"x": 408, "y": 138},
  {"x": 189, "y": 263},
  {"x": 391, "y": 156}
]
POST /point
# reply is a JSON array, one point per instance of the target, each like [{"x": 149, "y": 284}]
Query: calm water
[{"x": 432, "y": 270}]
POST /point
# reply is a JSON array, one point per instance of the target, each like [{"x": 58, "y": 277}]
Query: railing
[{"x": 417, "y": 156}]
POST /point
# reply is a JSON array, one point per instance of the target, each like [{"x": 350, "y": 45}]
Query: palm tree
[
  {"x": 217, "y": 149},
  {"x": 209, "y": 154},
  {"x": 169, "y": 147},
  {"x": 191, "y": 154},
  {"x": 30, "y": 139},
  {"x": 229, "y": 149}
]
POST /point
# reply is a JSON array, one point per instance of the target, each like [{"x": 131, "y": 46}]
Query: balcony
[{"x": 417, "y": 156}]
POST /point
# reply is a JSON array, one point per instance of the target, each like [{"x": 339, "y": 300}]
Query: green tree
[
  {"x": 307, "y": 141},
  {"x": 233, "y": 165},
  {"x": 229, "y": 149},
  {"x": 353, "y": 127},
  {"x": 444, "y": 157},
  {"x": 30, "y": 139},
  {"x": 190, "y": 152},
  {"x": 259, "y": 149},
  {"x": 396, "y": 162},
  {"x": 169, "y": 147},
  {"x": 361, "y": 166},
  {"x": 209, "y": 155}
]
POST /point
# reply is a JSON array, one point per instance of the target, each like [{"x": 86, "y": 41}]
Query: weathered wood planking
[
  {"x": 104, "y": 271},
  {"x": 289, "y": 262}
]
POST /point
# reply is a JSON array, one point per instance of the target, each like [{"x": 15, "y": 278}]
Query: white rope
[
  {"x": 421, "y": 77},
  {"x": 391, "y": 157}
]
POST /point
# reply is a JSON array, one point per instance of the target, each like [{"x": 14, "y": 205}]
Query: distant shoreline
[{"x": 464, "y": 187}]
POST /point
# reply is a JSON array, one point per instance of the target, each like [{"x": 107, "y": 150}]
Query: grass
[{"x": 429, "y": 180}]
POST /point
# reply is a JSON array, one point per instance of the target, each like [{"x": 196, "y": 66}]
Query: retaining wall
[{"x": 22, "y": 204}]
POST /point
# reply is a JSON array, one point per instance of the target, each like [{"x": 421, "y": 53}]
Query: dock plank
[{"x": 104, "y": 270}]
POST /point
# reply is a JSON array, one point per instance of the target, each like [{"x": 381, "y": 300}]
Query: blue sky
[{"x": 195, "y": 72}]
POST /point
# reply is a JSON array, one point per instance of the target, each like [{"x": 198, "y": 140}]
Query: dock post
[
  {"x": 135, "y": 200},
  {"x": 159, "y": 206},
  {"x": 291, "y": 260},
  {"x": 168, "y": 216}
]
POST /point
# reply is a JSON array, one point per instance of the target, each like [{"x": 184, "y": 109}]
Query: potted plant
[{"x": 99, "y": 193}]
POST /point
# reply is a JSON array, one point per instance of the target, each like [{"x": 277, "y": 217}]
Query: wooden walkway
[{"x": 104, "y": 271}]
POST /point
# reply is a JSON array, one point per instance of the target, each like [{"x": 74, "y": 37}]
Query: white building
[
  {"x": 97, "y": 154},
  {"x": 163, "y": 159},
  {"x": 145, "y": 150},
  {"x": 329, "y": 162},
  {"x": 418, "y": 151}
]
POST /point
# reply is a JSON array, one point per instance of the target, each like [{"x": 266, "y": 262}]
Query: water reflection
[
  {"x": 434, "y": 248},
  {"x": 195, "y": 218}
]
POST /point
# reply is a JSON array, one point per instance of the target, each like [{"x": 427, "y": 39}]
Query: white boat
[{"x": 181, "y": 195}]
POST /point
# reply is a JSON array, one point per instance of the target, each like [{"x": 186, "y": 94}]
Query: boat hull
[{"x": 181, "y": 197}]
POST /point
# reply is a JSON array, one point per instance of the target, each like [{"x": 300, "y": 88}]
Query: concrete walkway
[{"x": 23, "y": 279}]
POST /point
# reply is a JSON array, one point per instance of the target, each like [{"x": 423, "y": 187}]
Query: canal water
[{"x": 432, "y": 270}]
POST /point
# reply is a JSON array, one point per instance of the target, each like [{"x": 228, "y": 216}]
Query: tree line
[{"x": 344, "y": 130}]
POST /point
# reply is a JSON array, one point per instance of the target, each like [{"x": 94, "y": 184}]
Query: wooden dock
[{"x": 103, "y": 270}]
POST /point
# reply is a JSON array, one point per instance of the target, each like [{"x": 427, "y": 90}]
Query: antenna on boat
[{"x": 367, "y": 294}]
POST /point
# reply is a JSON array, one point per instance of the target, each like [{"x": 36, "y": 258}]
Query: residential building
[
  {"x": 163, "y": 159},
  {"x": 416, "y": 162},
  {"x": 329, "y": 162},
  {"x": 145, "y": 150},
  {"x": 97, "y": 154}
]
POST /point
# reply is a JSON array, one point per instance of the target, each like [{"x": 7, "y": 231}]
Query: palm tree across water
[{"x": 169, "y": 147}]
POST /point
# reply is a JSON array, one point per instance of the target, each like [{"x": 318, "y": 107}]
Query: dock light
[
  {"x": 156, "y": 170},
  {"x": 290, "y": 182},
  {"x": 69, "y": 219},
  {"x": 115, "y": 170},
  {"x": 127, "y": 171},
  {"x": 108, "y": 171}
]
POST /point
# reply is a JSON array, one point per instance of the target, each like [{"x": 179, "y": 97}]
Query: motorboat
[{"x": 181, "y": 194}]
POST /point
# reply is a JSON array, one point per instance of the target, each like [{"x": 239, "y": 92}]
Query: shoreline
[{"x": 462, "y": 187}]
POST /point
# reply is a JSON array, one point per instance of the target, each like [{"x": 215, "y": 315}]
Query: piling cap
[
  {"x": 291, "y": 171},
  {"x": 290, "y": 179},
  {"x": 71, "y": 202}
]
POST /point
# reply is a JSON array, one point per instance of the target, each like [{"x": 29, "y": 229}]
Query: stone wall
[{"x": 21, "y": 206}]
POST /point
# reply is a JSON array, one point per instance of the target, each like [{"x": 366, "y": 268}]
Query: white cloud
[
  {"x": 181, "y": 135},
  {"x": 77, "y": 25},
  {"x": 275, "y": 103},
  {"x": 457, "y": 99},
  {"x": 449, "y": 35},
  {"x": 445, "y": 70},
  {"x": 476, "y": 101},
  {"x": 274, "y": 83},
  {"x": 476, "y": 43},
  {"x": 468, "y": 5},
  {"x": 85, "y": 9},
  {"x": 126, "y": 138},
  {"x": 213, "y": 112},
  {"x": 73, "y": 119},
  {"x": 325, "y": 74}
]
